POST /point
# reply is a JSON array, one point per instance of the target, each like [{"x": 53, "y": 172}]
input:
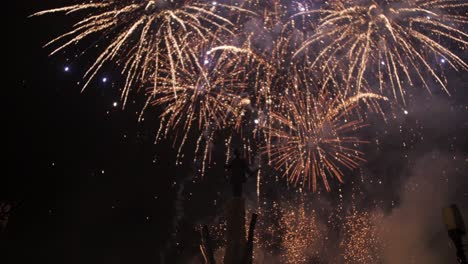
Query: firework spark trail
[
  {"x": 311, "y": 137},
  {"x": 212, "y": 66},
  {"x": 207, "y": 97},
  {"x": 255, "y": 70},
  {"x": 390, "y": 41},
  {"x": 137, "y": 33},
  {"x": 268, "y": 72}
]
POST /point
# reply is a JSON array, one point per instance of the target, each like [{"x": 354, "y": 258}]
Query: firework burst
[
  {"x": 205, "y": 95},
  {"x": 312, "y": 137},
  {"x": 136, "y": 34},
  {"x": 211, "y": 67},
  {"x": 392, "y": 43}
]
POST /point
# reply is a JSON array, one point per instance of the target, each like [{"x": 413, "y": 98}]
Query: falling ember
[
  {"x": 299, "y": 230},
  {"x": 361, "y": 242},
  {"x": 302, "y": 235}
]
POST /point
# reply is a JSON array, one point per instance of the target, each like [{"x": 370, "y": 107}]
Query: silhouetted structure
[
  {"x": 239, "y": 250},
  {"x": 239, "y": 169},
  {"x": 456, "y": 230},
  {"x": 248, "y": 254},
  {"x": 235, "y": 231}
]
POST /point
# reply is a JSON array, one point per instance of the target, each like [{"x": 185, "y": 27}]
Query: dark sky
[
  {"x": 81, "y": 169},
  {"x": 90, "y": 185}
]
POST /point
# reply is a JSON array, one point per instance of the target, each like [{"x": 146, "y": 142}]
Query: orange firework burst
[
  {"x": 206, "y": 94},
  {"x": 138, "y": 33},
  {"x": 212, "y": 66},
  {"x": 393, "y": 42},
  {"x": 311, "y": 139}
]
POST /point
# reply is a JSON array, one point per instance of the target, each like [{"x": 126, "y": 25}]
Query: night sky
[{"x": 90, "y": 186}]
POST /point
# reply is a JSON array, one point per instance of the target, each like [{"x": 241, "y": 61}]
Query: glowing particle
[{"x": 245, "y": 101}]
